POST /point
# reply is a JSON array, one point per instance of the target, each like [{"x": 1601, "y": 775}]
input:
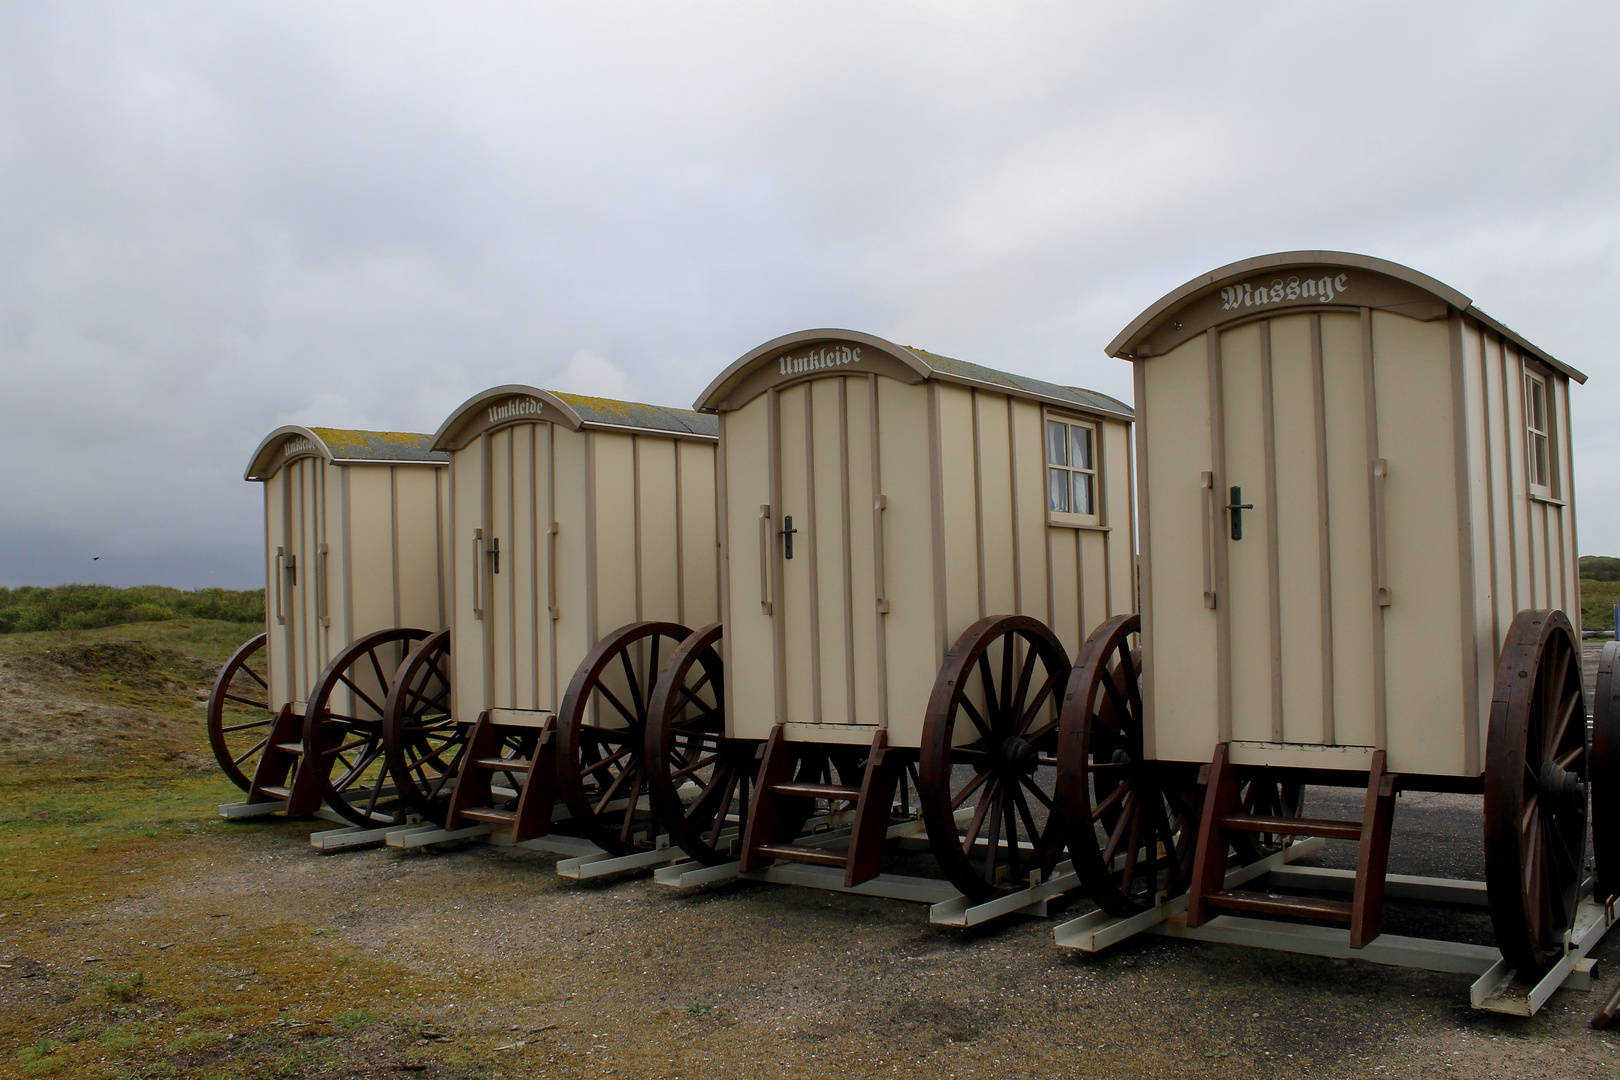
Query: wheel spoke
[
  {"x": 243, "y": 727},
  {"x": 1030, "y": 786},
  {"x": 1034, "y": 706},
  {"x": 973, "y": 715},
  {"x": 253, "y": 750},
  {"x": 247, "y": 701},
  {"x": 1119, "y": 792},
  {"x": 979, "y": 811},
  {"x": 988, "y": 685},
  {"x": 629, "y": 718},
  {"x": 969, "y": 788},
  {"x": 359, "y": 693},
  {"x": 635, "y": 686}
]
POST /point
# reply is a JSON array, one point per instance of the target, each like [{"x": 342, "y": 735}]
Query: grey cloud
[{"x": 218, "y": 218}]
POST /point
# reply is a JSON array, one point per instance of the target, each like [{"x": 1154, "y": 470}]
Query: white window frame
[
  {"x": 1095, "y": 470},
  {"x": 1543, "y": 484}
]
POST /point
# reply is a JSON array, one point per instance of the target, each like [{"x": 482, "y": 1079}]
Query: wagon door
[
  {"x": 1293, "y": 507},
  {"x": 828, "y": 637},
  {"x": 517, "y": 569},
  {"x": 299, "y": 563}
]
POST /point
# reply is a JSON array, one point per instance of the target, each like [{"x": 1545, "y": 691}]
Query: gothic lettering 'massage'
[
  {"x": 816, "y": 359},
  {"x": 1284, "y": 290}
]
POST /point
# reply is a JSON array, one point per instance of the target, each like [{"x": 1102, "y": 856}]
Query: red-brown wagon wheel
[
  {"x": 1536, "y": 766},
  {"x": 987, "y": 760},
  {"x": 343, "y": 728},
  {"x": 239, "y": 713},
  {"x": 1131, "y": 823},
  {"x": 602, "y": 735},
  {"x": 699, "y": 780},
  {"x": 422, "y": 743},
  {"x": 1605, "y": 772}
]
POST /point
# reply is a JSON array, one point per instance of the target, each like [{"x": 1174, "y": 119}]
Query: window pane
[
  {"x": 1081, "y": 441},
  {"x": 1056, "y": 443},
  {"x": 1057, "y": 490},
  {"x": 1084, "y": 502},
  {"x": 1540, "y": 472},
  {"x": 1537, "y": 404}
]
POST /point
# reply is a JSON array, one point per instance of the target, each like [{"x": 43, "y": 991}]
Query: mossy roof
[
  {"x": 632, "y": 414},
  {"x": 347, "y": 444},
  {"x": 963, "y": 369}
]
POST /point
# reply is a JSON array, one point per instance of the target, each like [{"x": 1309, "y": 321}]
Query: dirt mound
[
  {"x": 131, "y": 663},
  {"x": 106, "y": 701}
]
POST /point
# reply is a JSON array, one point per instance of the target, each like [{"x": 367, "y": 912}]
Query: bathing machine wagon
[
  {"x": 912, "y": 546},
  {"x": 1358, "y": 568},
  {"x": 354, "y": 561},
  {"x": 583, "y": 550}
]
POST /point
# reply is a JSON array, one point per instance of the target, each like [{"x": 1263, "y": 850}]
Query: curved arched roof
[
  {"x": 742, "y": 380},
  {"x": 341, "y": 446},
  {"x": 1128, "y": 342},
  {"x": 573, "y": 411}
]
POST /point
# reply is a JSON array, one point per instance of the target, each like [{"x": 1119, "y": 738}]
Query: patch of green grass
[
  {"x": 39, "y": 1059},
  {"x": 89, "y": 607},
  {"x": 352, "y": 1019},
  {"x": 125, "y": 1038},
  {"x": 1598, "y": 598},
  {"x": 698, "y": 1008},
  {"x": 206, "y": 1013},
  {"x": 191, "y": 1040},
  {"x": 207, "y": 639},
  {"x": 125, "y": 990}
]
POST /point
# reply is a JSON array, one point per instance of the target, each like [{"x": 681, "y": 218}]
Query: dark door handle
[
  {"x": 495, "y": 554},
  {"x": 1237, "y": 506},
  {"x": 787, "y": 532}
]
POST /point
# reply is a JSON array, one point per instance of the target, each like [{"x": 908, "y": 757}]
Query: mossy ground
[{"x": 146, "y": 937}]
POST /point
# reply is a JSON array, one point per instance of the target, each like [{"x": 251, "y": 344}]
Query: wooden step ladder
[
  {"x": 473, "y": 800},
  {"x": 282, "y": 773},
  {"x": 782, "y": 805},
  {"x": 1364, "y": 914}
]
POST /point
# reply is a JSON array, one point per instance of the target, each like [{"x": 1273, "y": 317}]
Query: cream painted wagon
[
  {"x": 583, "y": 549},
  {"x": 355, "y": 562},
  {"x": 1358, "y": 568},
  {"x": 911, "y": 547}
]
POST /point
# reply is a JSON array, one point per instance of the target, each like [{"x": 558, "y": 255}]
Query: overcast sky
[{"x": 217, "y": 218}]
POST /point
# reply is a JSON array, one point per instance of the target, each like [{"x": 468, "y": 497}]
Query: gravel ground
[{"x": 266, "y": 958}]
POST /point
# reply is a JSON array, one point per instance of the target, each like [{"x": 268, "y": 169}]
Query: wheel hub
[
  {"x": 1562, "y": 788},
  {"x": 1020, "y": 754}
]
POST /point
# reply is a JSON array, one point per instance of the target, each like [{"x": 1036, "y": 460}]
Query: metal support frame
[
  {"x": 947, "y": 905},
  {"x": 1496, "y": 990}
]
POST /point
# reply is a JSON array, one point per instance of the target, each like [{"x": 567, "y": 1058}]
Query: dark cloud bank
[{"x": 215, "y": 219}]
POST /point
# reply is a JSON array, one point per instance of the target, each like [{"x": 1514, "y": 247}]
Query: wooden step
[
  {"x": 1258, "y": 903},
  {"x": 1289, "y": 826},
  {"x": 501, "y": 764},
  {"x": 490, "y": 814},
  {"x": 794, "y": 853},
  {"x": 290, "y": 747},
  {"x": 816, "y": 791},
  {"x": 276, "y": 791}
]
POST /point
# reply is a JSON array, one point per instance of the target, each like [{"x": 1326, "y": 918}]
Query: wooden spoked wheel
[
  {"x": 602, "y": 735},
  {"x": 343, "y": 728},
  {"x": 239, "y": 713},
  {"x": 1263, "y": 794},
  {"x": 987, "y": 761},
  {"x": 1131, "y": 824},
  {"x": 1536, "y": 768},
  {"x": 699, "y": 781},
  {"x": 422, "y": 743},
  {"x": 1605, "y": 772}
]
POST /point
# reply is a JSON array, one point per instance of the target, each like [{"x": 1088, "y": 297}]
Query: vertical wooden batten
[
  {"x": 1268, "y": 413},
  {"x": 1378, "y": 528},
  {"x": 1223, "y": 619},
  {"x": 1460, "y": 413}
]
